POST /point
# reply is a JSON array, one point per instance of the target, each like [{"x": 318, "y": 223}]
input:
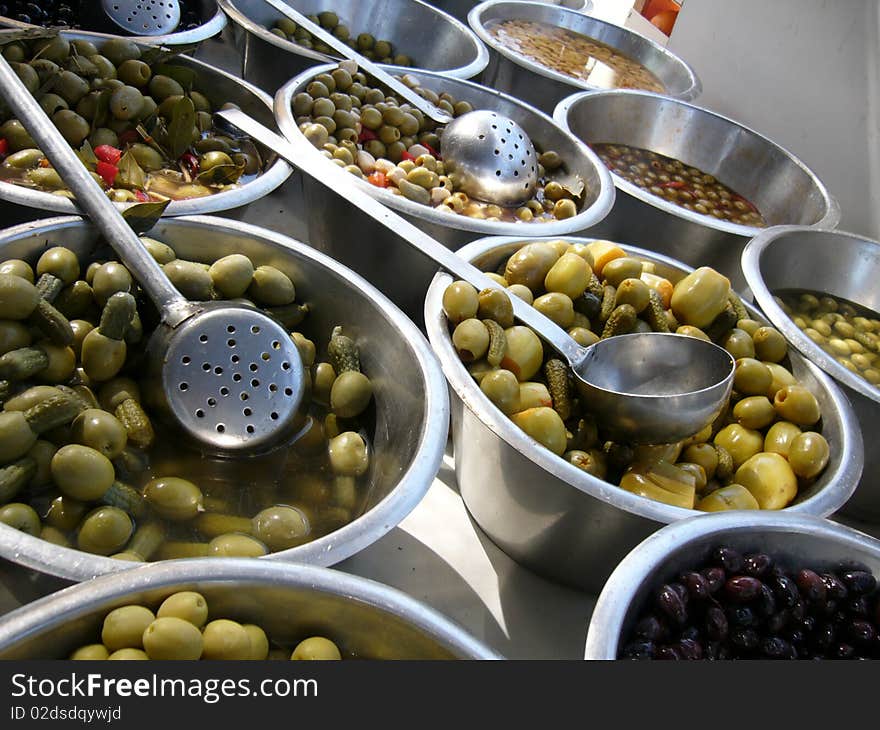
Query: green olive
[
  {"x": 751, "y": 377},
  {"x": 128, "y": 655},
  {"x": 103, "y": 135},
  {"x": 101, "y": 431},
  {"x": 703, "y": 454},
  {"x": 84, "y": 48},
  {"x": 212, "y": 159},
  {"x": 592, "y": 461},
  {"x": 259, "y": 642},
  {"x": 740, "y": 442},
  {"x": 316, "y": 648},
  {"x": 17, "y": 267},
  {"x": 28, "y": 75},
  {"x": 170, "y": 637},
  {"x": 126, "y": 103},
  {"x": 13, "y": 335},
  {"x": 108, "y": 279},
  {"x": 174, "y": 498},
  {"x": 236, "y": 545},
  {"x": 281, "y": 527},
  {"x": 104, "y": 531},
  {"x": 187, "y": 605},
  {"x": 225, "y": 639},
  {"x": 124, "y": 627},
  {"x": 64, "y": 513},
  {"x": 119, "y": 50},
  {"x": 82, "y": 472},
  {"x": 808, "y": 454},
  {"x": 739, "y": 344},
  {"x": 134, "y": 73},
  {"x": 147, "y": 157},
  {"x": 350, "y": 394},
  {"x": 70, "y": 87},
  {"x": 626, "y": 267},
  {"x": 271, "y": 287},
  {"x": 90, "y": 652},
  {"x": 733, "y": 496},
  {"x": 162, "y": 87},
  {"x": 20, "y": 517},
  {"x": 191, "y": 280},
  {"x": 769, "y": 478},
  {"x": 525, "y": 353},
  {"x": 502, "y": 388},
  {"x": 557, "y": 307},
  {"x": 530, "y": 265},
  {"x": 60, "y": 262},
  {"x": 754, "y": 412},
  {"x": 348, "y": 454},
  {"x": 545, "y": 426},
  {"x": 770, "y": 345},
  {"x": 460, "y": 301},
  {"x": 16, "y": 135},
  {"x": 102, "y": 357},
  {"x": 780, "y": 378},
  {"x": 106, "y": 69},
  {"x": 16, "y": 437},
  {"x": 55, "y": 49},
  {"x": 18, "y": 297},
  {"x": 569, "y": 275},
  {"x": 62, "y": 362},
  {"x": 797, "y": 404}
]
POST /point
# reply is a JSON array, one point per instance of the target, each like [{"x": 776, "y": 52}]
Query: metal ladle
[
  {"x": 646, "y": 388},
  {"x": 489, "y": 156},
  {"x": 228, "y": 374},
  {"x": 142, "y": 17}
]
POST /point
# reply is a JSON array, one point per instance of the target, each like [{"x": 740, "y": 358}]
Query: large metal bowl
[
  {"x": 513, "y": 73},
  {"x": 213, "y": 20},
  {"x": 410, "y": 395},
  {"x": 558, "y": 520},
  {"x": 342, "y": 230},
  {"x": 366, "y": 619},
  {"x": 436, "y": 41},
  {"x": 460, "y": 8},
  {"x": 842, "y": 265},
  {"x": 19, "y": 204},
  {"x": 783, "y": 188},
  {"x": 793, "y": 540}
]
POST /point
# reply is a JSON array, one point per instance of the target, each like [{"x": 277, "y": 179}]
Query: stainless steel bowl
[
  {"x": 342, "y": 230},
  {"x": 212, "y": 19},
  {"x": 558, "y": 520},
  {"x": 793, "y": 540},
  {"x": 290, "y": 602},
  {"x": 434, "y": 40},
  {"x": 542, "y": 87},
  {"x": 842, "y": 265},
  {"x": 411, "y": 400},
  {"x": 460, "y": 8},
  {"x": 19, "y": 204},
  {"x": 783, "y": 188}
]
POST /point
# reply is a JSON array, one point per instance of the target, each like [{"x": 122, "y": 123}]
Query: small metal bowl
[
  {"x": 793, "y": 540},
  {"x": 213, "y": 20},
  {"x": 390, "y": 262},
  {"x": 783, "y": 188},
  {"x": 558, "y": 520},
  {"x": 434, "y": 40},
  {"x": 19, "y": 204},
  {"x": 842, "y": 265},
  {"x": 410, "y": 394},
  {"x": 514, "y": 74},
  {"x": 290, "y": 602}
]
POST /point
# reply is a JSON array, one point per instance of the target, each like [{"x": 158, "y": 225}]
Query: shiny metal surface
[
  {"x": 542, "y": 87},
  {"x": 213, "y": 20},
  {"x": 411, "y": 420},
  {"x": 435, "y": 40},
  {"x": 782, "y": 187},
  {"x": 840, "y": 264},
  {"x": 556, "y": 519},
  {"x": 460, "y": 8},
  {"x": 366, "y": 619},
  {"x": 220, "y": 88},
  {"x": 490, "y": 158},
  {"x": 385, "y": 258},
  {"x": 143, "y": 17},
  {"x": 793, "y": 540}
]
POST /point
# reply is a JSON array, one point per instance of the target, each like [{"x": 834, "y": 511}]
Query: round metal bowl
[
  {"x": 387, "y": 260},
  {"x": 460, "y": 8},
  {"x": 793, "y": 540},
  {"x": 783, "y": 188},
  {"x": 558, "y": 520},
  {"x": 435, "y": 40},
  {"x": 366, "y": 619},
  {"x": 514, "y": 74},
  {"x": 213, "y": 20},
  {"x": 842, "y": 265},
  {"x": 410, "y": 395},
  {"x": 19, "y": 204}
]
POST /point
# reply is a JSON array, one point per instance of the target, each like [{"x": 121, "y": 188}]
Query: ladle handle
[
  {"x": 346, "y": 51},
  {"x": 300, "y": 154},
  {"x": 89, "y": 195}
]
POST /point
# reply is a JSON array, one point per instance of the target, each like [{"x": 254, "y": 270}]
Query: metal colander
[{"x": 143, "y": 17}]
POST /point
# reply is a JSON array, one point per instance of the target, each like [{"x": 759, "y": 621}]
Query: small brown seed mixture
[{"x": 575, "y": 55}]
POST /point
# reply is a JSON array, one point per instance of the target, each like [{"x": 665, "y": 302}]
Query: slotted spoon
[{"x": 142, "y": 17}]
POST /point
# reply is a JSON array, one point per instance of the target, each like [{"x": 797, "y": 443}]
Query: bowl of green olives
[
  {"x": 93, "y": 479},
  {"x": 397, "y": 32},
  {"x": 534, "y": 467},
  {"x": 825, "y": 303},
  {"x": 695, "y": 185},
  {"x": 199, "y": 20},
  {"x": 396, "y": 156},
  {"x": 141, "y": 119},
  {"x": 233, "y": 609}
]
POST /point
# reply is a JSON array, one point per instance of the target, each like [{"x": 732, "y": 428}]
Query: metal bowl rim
[
  {"x": 469, "y": 70},
  {"x": 584, "y": 219},
  {"x": 603, "y": 634},
  {"x": 413, "y": 484},
  {"x": 751, "y": 266},
  {"x": 206, "y": 30},
  {"x": 827, "y": 501},
  {"x": 830, "y": 219},
  {"x": 52, "y": 610},
  {"x": 261, "y": 186},
  {"x": 475, "y": 20}
]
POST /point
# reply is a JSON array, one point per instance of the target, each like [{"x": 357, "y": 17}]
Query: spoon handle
[
  {"x": 346, "y": 51},
  {"x": 301, "y": 154},
  {"x": 90, "y": 197}
]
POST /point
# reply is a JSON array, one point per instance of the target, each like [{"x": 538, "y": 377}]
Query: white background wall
[{"x": 805, "y": 74}]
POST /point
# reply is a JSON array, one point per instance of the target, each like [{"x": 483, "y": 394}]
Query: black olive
[
  {"x": 842, "y": 651},
  {"x": 728, "y": 559},
  {"x": 742, "y": 588},
  {"x": 798, "y": 610},
  {"x": 857, "y": 606},
  {"x": 682, "y": 592},
  {"x": 716, "y": 623},
  {"x": 824, "y": 635},
  {"x": 778, "y": 621},
  {"x": 669, "y": 653},
  {"x": 651, "y": 628},
  {"x": 785, "y": 589},
  {"x": 774, "y": 647},
  {"x": 691, "y": 633},
  {"x": 744, "y": 639},
  {"x": 861, "y": 631},
  {"x": 715, "y": 578},
  {"x": 638, "y": 650},
  {"x": 742, "y": 616},
  {"x": 696, "y": 585},
  {"x": 766, "y": 602},
  {"x": 757, "y": 564},
  {"x": 859, "y": 581},
  {"x": 671, "y": 605},
  {"x": 811, "y": 586},
  {"x": 690, "y": 649},
  {"x": 835, "y": 587}
]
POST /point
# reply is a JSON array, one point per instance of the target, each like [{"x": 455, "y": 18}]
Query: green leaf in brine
[
  {"x": 220, "y": 175},
  {"x": 87, "y": 155},
  {"x": 102, "y": 109},
  {"x": 143, "y": 216},
  {"x": 180, "y": 130},
  {"x": 184, "y": 76},
  {"x": 131, "y": 174}
]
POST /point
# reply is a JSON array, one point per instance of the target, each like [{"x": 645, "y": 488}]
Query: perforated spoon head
[
  {"x": 143, "y": 17},
  {"x": 491, "y": 158}
]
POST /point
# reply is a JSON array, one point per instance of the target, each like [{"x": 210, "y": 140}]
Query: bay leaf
[
  {"x": 180, "y": 129},
  {"x": 143, "y": 216}
]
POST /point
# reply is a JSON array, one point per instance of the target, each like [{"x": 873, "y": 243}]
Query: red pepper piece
[
  {"x": 4, "y": 146},
  {"x": 142, "y": 196},
  {"x": 407, "y": 156},
  {"x": 107, "y": 171},
  {"x": 108, "y": 153},
  {"x": 366, "y": 135},
  {"x": 378, "y": 179},
  {"x": 431, "y": 150},
  {"x": 129, "y": 136},
  {"x": 674, "y": 184},
  {"x": 190, "y": 162}
]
